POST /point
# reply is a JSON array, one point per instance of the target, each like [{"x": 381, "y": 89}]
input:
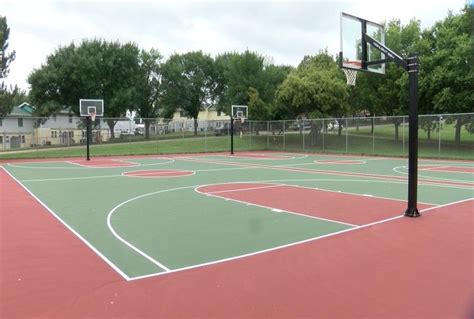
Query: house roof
[{"x": 24, "y": 109}]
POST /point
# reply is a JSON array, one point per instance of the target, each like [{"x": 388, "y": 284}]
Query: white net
[
  {"x": 351, "y": 76},
  {"x": 351, "y": 72},
  {"x": 92, "y": 115}
]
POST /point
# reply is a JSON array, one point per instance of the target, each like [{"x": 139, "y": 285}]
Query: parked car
[
  {"x": 301, "y": 125},
  {"x": 334, "y": 126}
]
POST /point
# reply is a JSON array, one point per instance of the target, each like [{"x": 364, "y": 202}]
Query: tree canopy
[
  {"x": 7, "y": 95},
  {"x": 128, "y": 78},
  {"x": 189, "y": 82},
  {"x": 94, "y": 69},
  {"x": 315, "y": 89}
]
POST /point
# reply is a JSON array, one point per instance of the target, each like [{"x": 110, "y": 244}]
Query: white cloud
[{"x": 283, "y": 30}]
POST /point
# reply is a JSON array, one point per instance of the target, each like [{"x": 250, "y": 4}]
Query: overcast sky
[{"x": 282, "y": 30}]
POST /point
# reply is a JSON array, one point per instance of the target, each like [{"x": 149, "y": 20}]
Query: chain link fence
[{"x": 440, "y": 136}]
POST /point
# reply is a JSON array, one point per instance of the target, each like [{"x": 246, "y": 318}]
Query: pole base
[{"x": 412, "y": 212}]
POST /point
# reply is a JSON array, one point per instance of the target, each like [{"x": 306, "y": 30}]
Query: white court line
[
  {"x": 67, "y": 178},
  {"x": 290, "y": 244},
  {"x": 244, "y": 189},
  {"x": 365, "y": 195},
  {"x": 130, "y": 245},
  {"x": 150, "y": 174},
  {"x": 270, "y": 156},
  {"x": 430, "y": 167},
  {"x": 397, "y": 170},
  {"x": 80, "y": 166},
  {"x": 45, "y": 167},
  {"x": 88, "y": 244},
  {"x": 112, "y": 165},
  {"x": 340, "y": 162}
]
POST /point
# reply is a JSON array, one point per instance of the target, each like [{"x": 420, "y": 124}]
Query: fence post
[
  {"x": 439, "y": 136},
  {"x": 302, "y": 132},
  {"x": 205, "y": 135},
  {"x": 347, "y": 138},
  {"x": 403, "y": 134},
  {"x": 323, "y": 131},
  {"x": 373, "y": 135},
  {"x": 284, "y": 135},
  {"x": 268, "y": 135},
  {"x": 250, "y": 135}
]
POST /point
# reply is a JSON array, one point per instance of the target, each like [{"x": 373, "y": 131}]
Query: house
[
  {"x": 209, "y": 117},
  {"x": 21, "y": 129},
  {"x": 16, "y": 129}
]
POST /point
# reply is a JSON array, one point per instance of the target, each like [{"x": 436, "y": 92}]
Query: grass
[
  {"x": 446, "y": 134},
  {"x": 360, "y": 142},
  {"x": 169, "y": 146}
]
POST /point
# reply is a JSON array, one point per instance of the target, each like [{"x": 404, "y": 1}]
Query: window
[
  {"x": 20, "y": 122},
  {"x": 23, "y": 141},
  {"x": 54, "y": 134},
  {"x": 1, "y": 139},
  {"x": 181, "y": 114},
  {"x": 70, "y": 118},
  {"x": 218, "y": 113},
  {"x": 1, "y": 122}
]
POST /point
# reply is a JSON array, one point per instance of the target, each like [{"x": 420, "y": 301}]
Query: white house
[
  {"x": 16, "y": 129},
  {"x": 21, "y": 129},
  {"x": 209, "y": 117}
]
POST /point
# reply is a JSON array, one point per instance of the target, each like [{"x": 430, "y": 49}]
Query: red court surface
[
  {"x": 448, "y": 169},
  {"x": 159, "y": 173},
  {"x": 341, "y": 207},
  {"x": 405, "y": 268}
]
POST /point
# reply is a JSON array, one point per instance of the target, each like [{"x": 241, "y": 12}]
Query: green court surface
[{"x": 224, "y": 207}]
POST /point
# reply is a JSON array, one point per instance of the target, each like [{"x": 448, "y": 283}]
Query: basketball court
[
  {"x": 139, "y": 223},
  {"x": 242, "y": 234}
]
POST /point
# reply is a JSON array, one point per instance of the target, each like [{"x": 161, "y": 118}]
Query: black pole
[
  {"x": 363, "y": 52},
  {"x": 88, "y": 135},
  {"x": 231, "y": 135},
  {"x": 412, "y": 210},
  {"x": 411, "y": 66}
]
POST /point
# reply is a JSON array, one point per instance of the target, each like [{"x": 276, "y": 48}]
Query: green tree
[
  {"x": 449, "y": 84},
  {"x": 241, "y": 73},
  {"x": 94, "y": 69},
  {"x": 149, "y": 87},
  {"x": 189, "y": 82},
  {"x": 393, "y": 93},
  {"x": 258, "y": 109},
  {"x": 315, "y": 89},
  {"x": 7, "y": 95}
]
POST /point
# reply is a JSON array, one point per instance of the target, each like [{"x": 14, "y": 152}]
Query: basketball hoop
[
  {"x": 351, "y": 72},
  {"x": 92, "y": 115}
]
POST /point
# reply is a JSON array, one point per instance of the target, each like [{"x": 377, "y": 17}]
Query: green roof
[{"x": 22, "y": 109}]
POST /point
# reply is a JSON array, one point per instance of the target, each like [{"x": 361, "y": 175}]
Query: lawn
[{"x": 355, "y": 142}]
